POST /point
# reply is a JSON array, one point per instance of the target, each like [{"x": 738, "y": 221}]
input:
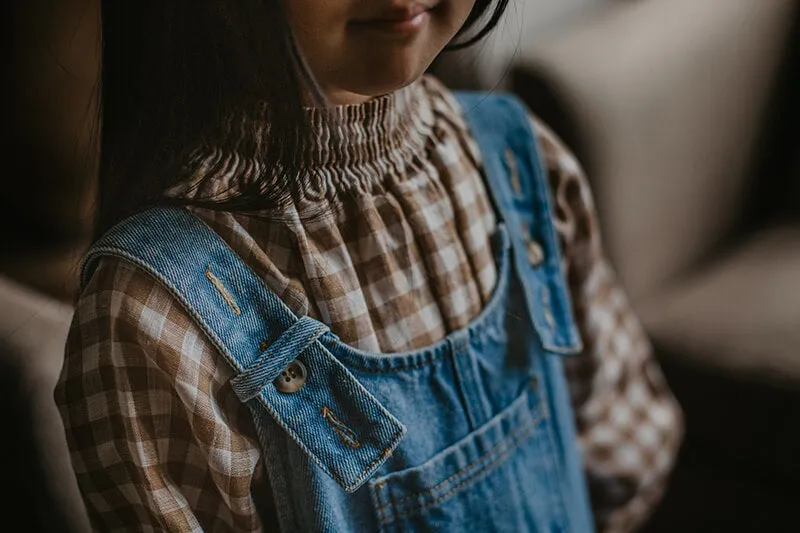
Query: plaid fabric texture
[{"x": 388, "y": 243}]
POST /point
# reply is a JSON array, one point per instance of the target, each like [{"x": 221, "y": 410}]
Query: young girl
[{"x": 336, "y": 296}]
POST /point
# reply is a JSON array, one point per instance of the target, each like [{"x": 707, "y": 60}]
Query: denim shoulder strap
[
  {"x": 501, "y": 126},
  {"x": 259, "y": 336}
]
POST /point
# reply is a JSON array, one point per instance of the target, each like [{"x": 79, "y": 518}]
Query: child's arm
[
  {"x": 142, "y": 397},
  {"x": 629, "y": 424}
]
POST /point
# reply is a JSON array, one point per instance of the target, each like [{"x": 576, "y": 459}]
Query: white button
[{"x": 292, "y": 378}]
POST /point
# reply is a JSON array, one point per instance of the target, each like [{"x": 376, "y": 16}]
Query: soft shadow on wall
[{"x": 46, "y": 208}]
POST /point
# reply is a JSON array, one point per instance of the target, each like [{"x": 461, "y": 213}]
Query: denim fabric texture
[{"x": 473, "y": 433}]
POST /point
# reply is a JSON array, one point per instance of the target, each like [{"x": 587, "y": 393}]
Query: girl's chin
[{"x": 372, "y": 82}]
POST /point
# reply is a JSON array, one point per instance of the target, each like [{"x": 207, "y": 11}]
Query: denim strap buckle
[{"x": 294, "y": 341}]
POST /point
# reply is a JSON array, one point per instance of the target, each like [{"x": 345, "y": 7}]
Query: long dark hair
[{"x": 187, "y": 77}]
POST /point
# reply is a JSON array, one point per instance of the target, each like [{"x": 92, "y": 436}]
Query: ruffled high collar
[{"x": 354, "y": 148}]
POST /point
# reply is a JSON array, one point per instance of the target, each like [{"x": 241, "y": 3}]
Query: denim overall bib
[{"x": 474, "y": 433}]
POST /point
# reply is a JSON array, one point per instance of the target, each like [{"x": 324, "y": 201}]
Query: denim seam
[
  {"x": 485, "y": 463},
  {"x": 385, "y": 453},
  {"x": 413, "y": 366},
  {"x": 552, "y": 479},
  {"x": 285, "y": 511},
  {"x": 460, "y": 385}
]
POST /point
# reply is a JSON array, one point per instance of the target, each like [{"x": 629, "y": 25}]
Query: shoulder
[
  {"x": 119, "y": 291},
  {"x": 117, "y": 319},
  {"x": 129, "y": 334},
  {"x": 125, "y": 318}
]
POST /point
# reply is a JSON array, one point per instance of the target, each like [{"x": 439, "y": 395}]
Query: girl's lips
[
  {"x": 405, "y": 25},
  {"x": 402, "y": 22}
]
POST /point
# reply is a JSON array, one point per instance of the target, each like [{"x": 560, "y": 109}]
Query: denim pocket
[{"x": 498, "y": 478}]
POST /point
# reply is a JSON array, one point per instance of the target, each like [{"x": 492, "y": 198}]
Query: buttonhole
[
  {"x": 513, "y": 171},
  {"x": 548, "y": 313},
  {"x": 343, "y": 431},
  {"x": 223, "y": 291}
]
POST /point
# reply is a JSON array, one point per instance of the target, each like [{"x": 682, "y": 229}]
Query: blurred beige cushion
[
  {"x": 741, "y": 313},
  {"x": 34, "y": 327},
  {"x": 667, "y": 98}
]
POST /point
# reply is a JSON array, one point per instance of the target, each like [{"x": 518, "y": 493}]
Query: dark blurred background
[{"x": 684, "y": 114}]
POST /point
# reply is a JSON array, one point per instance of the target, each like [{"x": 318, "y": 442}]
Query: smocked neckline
[
  {"x": 354, "y": 149},
  {"x": 374, "y": 130}
]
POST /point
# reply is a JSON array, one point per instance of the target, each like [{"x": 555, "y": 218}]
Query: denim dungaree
[{"x": 474, "y": 433}]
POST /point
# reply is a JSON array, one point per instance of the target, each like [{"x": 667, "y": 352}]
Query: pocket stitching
[
  {"x": 483, "y": 464},
  {"x": 475, "y": 463}
]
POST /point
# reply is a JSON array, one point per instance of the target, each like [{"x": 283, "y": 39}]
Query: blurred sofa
[
  {"x": 45, "y": 224},
  {"x": 684, "y": 114},
  {"x": 33, "y": 453}
]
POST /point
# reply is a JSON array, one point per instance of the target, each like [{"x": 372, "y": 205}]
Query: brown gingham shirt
[{"x": 388, "y": 243}]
